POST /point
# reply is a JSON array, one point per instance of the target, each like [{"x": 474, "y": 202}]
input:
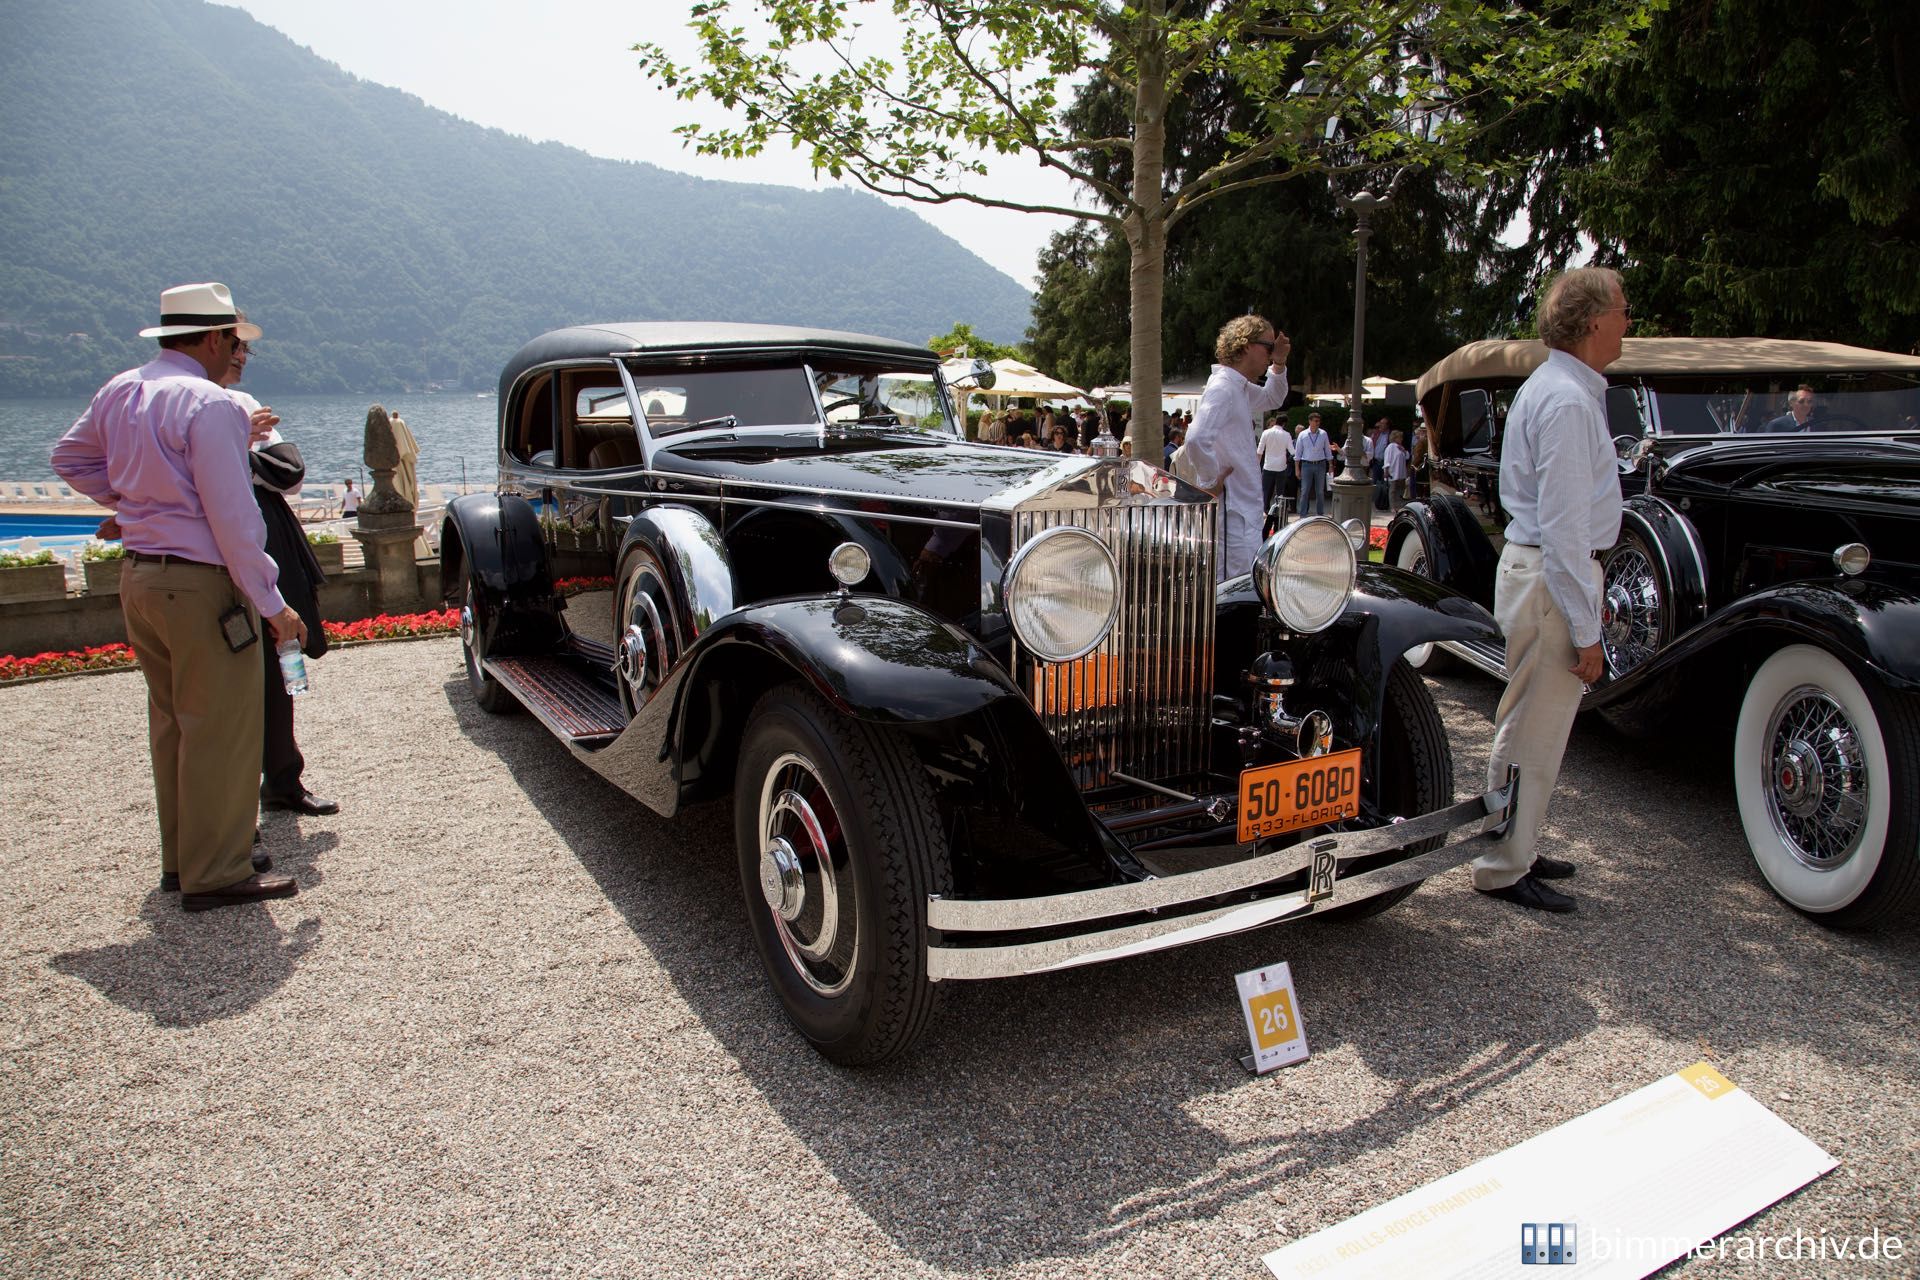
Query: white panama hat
[{"x": 198, "y": 308}]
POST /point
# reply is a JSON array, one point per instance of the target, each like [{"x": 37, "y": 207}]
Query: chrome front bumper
[{"x": 1485, "y": 815}]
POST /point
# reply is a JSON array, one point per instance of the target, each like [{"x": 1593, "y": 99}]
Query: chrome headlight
[
  {"x": 1062, "y": 592},
  {"x": 1304, "y": 574}
]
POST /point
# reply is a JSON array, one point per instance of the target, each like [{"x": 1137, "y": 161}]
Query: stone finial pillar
[{"x": 385, "y": 523}]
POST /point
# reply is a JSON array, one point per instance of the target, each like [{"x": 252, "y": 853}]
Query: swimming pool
[{"x": 15, "y": 525}]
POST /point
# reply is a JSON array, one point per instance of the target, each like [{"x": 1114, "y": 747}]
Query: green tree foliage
[
  {"x": 382, "y": 244},
  {"x": 971, "y": 78},
  {"x": 1756, "y": 173},
  {"x": 961, "y": 339}
]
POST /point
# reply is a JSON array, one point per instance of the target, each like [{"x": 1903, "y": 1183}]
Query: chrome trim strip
[
  {"x": 656, "y": 497},
  {"x": 964, "y": 963},
  {"x": 1478, "y": 657},
  {"x": 961, "y": 915}
]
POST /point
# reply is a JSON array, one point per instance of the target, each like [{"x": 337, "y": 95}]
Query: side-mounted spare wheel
[
  {"x": 1827, "y": 775},
  {"x": 839, "y": 846}
]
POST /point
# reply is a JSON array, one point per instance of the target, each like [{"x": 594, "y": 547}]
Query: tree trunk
[{"x": 1146, "y": 227}]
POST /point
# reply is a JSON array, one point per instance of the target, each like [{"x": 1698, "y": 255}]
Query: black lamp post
[{"x": 1353, "y": 491}]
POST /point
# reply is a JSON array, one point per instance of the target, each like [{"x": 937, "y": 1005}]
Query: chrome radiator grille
[{"x": 1138, "y": 703}]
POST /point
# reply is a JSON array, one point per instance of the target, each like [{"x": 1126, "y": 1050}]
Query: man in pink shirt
[{"x": 165, "y": 449}]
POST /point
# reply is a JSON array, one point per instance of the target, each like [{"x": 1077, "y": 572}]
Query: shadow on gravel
[
  {"x": 1045, "y": 1117},
  {"x": 195, "y": 969}
]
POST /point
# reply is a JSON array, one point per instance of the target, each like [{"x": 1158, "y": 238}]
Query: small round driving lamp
[
  {"x": 1305, "y": 573},
  {"x": 1062, "y": 593},
  {"x": 1356, "y": 534},
  {"x": 1852, "y": 559},
  {"x": 849, "y": 563}
]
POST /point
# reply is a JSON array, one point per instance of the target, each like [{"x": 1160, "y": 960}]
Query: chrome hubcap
[
  {"x": 466, "y": 625},
  {"x": 781, "y": 882},
  {"x": 804, "y": 873},
  {"x": 633, "y": 656},
  {"x": 1818, "y": 789}
]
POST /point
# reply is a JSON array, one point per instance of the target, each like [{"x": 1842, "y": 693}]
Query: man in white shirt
[
  {"x": 1220, "y": 444},
  {"x": 1559, "y": 484},
  {"x": 1276, "y": 461},
  {"x": 1395, "y": 466}
]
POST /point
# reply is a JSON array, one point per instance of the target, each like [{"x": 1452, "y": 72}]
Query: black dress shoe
[
  {"x": 1551, "y": 868},
  {"x": 1530, "y": 892},
  {"x": 169, "y": 882},
  {"x": 306, "y": 802},
  {"x": 252, "y": 889}
]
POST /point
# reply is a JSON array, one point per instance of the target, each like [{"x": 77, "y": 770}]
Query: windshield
[
  {"x": 877, "y": 396},
  {"x": 736, "y": 398},
  {"x": 1830, "y": 403}
]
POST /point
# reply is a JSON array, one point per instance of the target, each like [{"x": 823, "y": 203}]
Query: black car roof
[{"x": 677, "y": 337}]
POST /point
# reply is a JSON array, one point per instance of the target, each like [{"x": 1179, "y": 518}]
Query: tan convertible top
[{"x": 1516, "y": 358}]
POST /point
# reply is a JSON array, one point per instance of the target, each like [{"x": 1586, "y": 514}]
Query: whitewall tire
[{"x": 1825, "y": 776}]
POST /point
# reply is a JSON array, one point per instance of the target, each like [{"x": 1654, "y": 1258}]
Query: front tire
[
  {"x": 1415, "y": 770},
  {"x": 1636, "y": 605},
  {"x": 839, "y": 846},
  {"x": 1826, "y": 775}
]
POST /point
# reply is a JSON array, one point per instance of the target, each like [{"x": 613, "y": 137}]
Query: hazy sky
[{"x": 563, "y": 70}]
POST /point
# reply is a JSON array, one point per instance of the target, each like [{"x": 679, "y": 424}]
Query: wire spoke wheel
[
  {"x": 1633, "y": 610},
  {"x": 1820, "y": 786}
]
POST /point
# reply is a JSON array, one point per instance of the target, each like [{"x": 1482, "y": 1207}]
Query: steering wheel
[{"x": 1835, "y": 421}]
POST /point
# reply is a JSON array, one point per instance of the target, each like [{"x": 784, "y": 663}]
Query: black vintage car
[
  {"x": 1766, "y": 583},
  {"x": 982, "y": 711}
]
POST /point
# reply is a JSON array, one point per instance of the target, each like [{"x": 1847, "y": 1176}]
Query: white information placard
[
  {"x": 1620, "y": 1192},
  {"x": 1273, "y": 1017}
]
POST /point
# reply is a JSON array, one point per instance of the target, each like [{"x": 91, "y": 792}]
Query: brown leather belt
[{"x": 147, "y": 557}]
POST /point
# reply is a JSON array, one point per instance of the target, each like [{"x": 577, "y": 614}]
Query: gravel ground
[{"x": 513, "y": 1025}]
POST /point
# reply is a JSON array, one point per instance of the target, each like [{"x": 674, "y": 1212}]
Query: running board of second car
[
  {"x": 1483, "y": 655},
  {"x": 1486, "y": 815}
]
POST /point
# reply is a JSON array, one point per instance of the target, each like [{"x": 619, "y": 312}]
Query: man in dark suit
[{"x": 279, "y": 469}]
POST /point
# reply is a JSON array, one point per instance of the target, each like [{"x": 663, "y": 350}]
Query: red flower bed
[
  {"x": 99, "y": 658},
  {"x": 1377, "y": 538},
  {"x": 395, "y": 626},
  {"x": 386, "y": 626},
  {"x": 574, "y": 586}
]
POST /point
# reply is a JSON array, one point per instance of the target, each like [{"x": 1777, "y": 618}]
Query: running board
[
  {"x": 1489, "y": 656},
  {"x": 584, "y": 711}
]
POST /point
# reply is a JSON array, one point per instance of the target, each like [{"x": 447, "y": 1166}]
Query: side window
[
  {"x": 529, "y": 423},
  {"x": 598, "y": 433}
]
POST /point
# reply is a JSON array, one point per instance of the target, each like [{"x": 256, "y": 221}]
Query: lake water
[{"x": 457, "y": 433}]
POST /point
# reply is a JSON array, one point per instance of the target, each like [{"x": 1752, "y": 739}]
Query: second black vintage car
[
  {"x": 1766, "y": 583},
  {"x": 982, "y": 711}
]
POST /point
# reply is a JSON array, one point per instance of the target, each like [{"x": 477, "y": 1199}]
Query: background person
[
  {"x": 165, "y": 450},
  {"x": 1799, "y": 411},
  {"x": 1276, "y": 461},
  {"x": 1559, "y": 484},
  {"x": 1311, "y": 452},
  {"x": 1395, "y": 465}
]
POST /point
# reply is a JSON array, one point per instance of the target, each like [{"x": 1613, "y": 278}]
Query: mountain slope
[{"x": 378, "y": 241}]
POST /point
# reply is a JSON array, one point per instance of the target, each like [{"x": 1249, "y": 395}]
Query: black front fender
[
  {"x": 1457, "y": 551},
  {"x": 493, "y": 540}
]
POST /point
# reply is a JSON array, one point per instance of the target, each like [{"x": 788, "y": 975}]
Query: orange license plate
[{"x": 1277, "y": 798}]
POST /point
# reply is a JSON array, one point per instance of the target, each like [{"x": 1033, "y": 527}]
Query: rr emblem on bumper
[{"x": 1321, "y": 884}]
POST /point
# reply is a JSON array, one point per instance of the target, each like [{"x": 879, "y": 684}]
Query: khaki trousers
[
  {"x": 203, "y": 719},
  {"x": 1536, "y": 711}
]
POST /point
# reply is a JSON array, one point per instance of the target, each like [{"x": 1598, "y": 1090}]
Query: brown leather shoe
[{"x": 252, "y": 889}]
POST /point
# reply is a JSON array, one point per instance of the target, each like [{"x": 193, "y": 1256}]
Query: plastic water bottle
[{"x": 293, "y": 668}]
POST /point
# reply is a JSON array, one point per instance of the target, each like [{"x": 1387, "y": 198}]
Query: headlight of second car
[
  {"x": 1063, "y": 589},
  {"x": 1304, "y": 574}
]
